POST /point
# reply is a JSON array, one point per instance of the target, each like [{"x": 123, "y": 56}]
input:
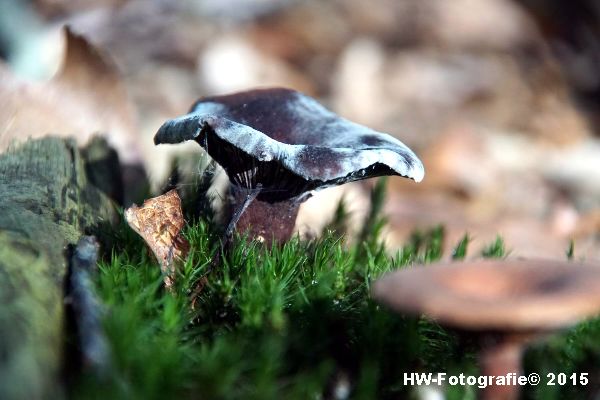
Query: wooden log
[{"x": 46, "y": 203}]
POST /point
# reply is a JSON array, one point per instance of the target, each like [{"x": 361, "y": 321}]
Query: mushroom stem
[
  {"x": 263, "y": 220},
  {"x": 501, "y": 356},
  {"x": 250, "y": 196}
]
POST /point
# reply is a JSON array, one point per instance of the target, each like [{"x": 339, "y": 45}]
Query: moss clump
[{"x": 291, "y": 322}]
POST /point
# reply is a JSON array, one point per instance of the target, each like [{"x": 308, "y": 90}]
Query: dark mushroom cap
[
  {"x": 288, "y": 143},
  {"x": 514, "y": 296}
]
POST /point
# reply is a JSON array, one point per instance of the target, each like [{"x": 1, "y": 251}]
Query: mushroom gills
[
  {"x": 248, "y": 172},
  {"x": 278, "y": 182}
]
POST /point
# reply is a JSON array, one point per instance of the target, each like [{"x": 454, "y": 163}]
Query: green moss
[{"x": 293, "y": 322}]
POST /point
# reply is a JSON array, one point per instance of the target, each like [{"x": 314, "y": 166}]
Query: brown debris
[
  {"x": 159, "y": 222},
  {"x": 86, "y": 97},
  {"x": 494, "y": 95}
]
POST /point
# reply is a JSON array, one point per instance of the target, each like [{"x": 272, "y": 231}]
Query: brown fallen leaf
[
  {"x": 86, "y": 97},
  {"x": 159, "y": 222}
]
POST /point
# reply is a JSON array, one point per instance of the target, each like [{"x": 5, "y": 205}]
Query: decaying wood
[{"x": 46, "y": 203}]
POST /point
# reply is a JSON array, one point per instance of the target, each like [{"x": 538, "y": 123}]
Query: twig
[{"x": 86, "y": 308}]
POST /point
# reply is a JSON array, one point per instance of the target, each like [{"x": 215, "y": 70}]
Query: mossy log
[{"x": 46, "y": 203}]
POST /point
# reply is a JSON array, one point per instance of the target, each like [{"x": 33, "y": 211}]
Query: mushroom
[
  {"x": 505, "y": 304},
  {"x": 278, "y": 145}
]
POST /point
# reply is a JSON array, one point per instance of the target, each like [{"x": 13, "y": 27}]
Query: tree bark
[{"x": 46, "y": 203}]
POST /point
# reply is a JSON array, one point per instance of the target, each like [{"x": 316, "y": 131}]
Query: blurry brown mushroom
[
  {"x": 505, "y": 304},
  {"x": 278, "y": 145}
]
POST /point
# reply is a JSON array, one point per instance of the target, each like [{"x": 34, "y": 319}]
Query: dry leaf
[
  {"x": 86, "y": 97},
  {"x": 159, "y": 222}
]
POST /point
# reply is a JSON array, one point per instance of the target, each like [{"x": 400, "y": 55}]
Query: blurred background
[{"x": 499, "y": 98}]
